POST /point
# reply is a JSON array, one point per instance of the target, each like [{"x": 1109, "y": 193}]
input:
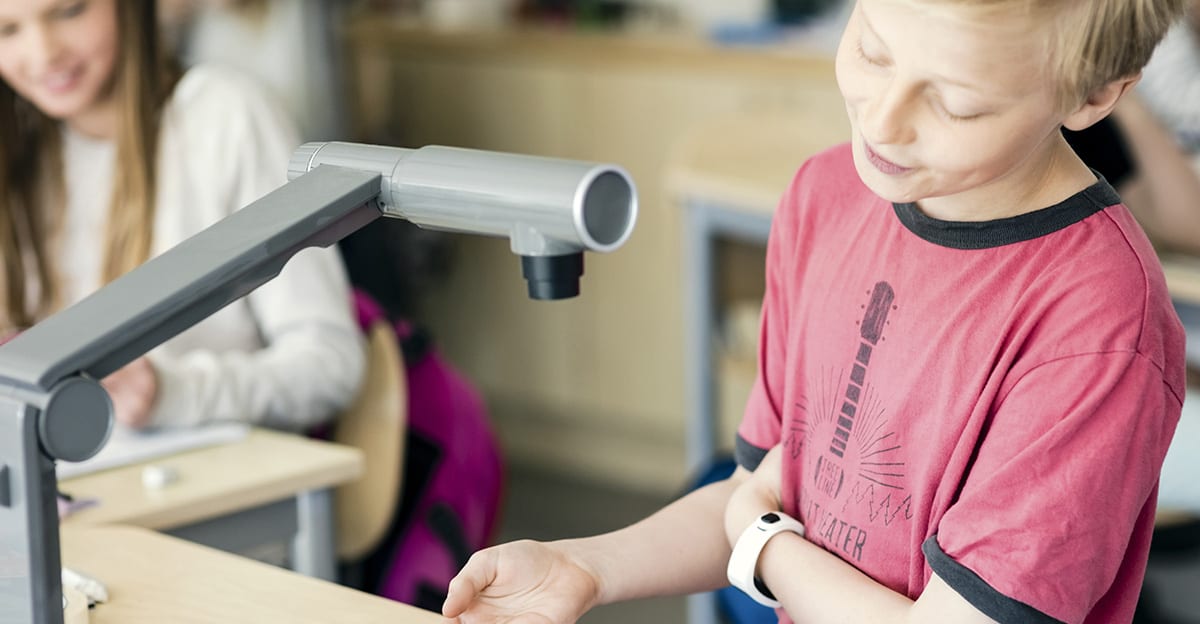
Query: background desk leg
[
  {"x": 313, "y": 549},
  {"x": 704, "y": 223},
  {"x": 699, "y": 324},
  {"x": 699, "y": 327},
  {"x": 702, "y": 608}
]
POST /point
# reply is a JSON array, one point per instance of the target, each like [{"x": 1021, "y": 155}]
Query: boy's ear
[{"x": 1100, "y": 103}]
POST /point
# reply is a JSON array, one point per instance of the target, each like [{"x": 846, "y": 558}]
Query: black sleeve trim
[
  {"x": 747, "y": 455},
  {"x": 976, "y": 591}
]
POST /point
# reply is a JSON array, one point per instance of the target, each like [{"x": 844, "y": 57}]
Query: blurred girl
[{"x": 108, "y": 156}]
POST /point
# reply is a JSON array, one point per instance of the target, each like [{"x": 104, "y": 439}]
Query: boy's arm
[
  {"x": 680, "y": 549},
  {"x": 816, "y": 586}
]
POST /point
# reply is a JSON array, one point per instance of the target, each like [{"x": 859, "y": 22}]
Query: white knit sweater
[
  {"x": 1171, "y": 85},
  {"x": 289, "y": 354}
]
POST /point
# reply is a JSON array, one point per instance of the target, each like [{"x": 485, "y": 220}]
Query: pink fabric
[
  {"x": 465, "y": 480},
  {"x": 1014, "y": 403},
  {"x": 367, "y": 310},
  {"x": 469, "y": 478}
]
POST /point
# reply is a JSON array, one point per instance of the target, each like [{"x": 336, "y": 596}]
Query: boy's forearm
[
  {"x": 816, "y": 586},
  {"x": 680, "y": 549}
]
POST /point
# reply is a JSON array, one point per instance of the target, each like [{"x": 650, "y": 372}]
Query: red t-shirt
[{"x": 989, "y": 401}]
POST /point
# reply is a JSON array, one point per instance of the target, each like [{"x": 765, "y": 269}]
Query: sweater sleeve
[{"x": 310, "y": 360}]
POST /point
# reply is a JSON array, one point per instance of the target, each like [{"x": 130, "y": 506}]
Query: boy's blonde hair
[
  {"x": 1099, "y": 41},
  {"x": 1090, "y": 43}
]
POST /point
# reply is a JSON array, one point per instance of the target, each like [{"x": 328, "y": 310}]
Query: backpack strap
[
  {"x": 415, "y": 342},
  {"x": 366, "y": 309}
]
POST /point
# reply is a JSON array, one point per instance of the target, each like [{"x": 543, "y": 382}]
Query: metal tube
[{"x": 546, "y": 206}]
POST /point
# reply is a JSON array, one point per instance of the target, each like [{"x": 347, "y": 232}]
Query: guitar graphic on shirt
[{"x": 830, "y": 475}]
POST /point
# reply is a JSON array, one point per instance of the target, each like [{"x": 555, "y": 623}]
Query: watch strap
[{"x": 746, "y": 551}]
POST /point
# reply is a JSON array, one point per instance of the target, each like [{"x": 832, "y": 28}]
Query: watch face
[{"x": 770, "y": 518}]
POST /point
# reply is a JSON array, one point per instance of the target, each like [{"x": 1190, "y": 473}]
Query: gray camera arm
[{"x": 53, "y": 407}]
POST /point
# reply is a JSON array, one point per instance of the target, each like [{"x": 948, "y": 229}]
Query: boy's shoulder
[
  {"x": 826, "y": 183},
  {"x": 836, "y": 164},
  {"x": 828, "y": 174}
]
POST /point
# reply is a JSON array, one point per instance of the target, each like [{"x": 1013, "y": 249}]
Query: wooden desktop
[
  {"x": 152, "y": 578},
  {"x": 266, "y": 488}
]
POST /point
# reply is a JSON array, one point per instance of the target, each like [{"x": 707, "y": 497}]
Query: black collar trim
[{"x": 1000, "y": 232}]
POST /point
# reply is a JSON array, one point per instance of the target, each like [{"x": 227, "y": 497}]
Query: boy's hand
[
  {"x": 757, "y": 495},
  {"x": 133, "y": 390},
  {"x": 523, "y": 582}
]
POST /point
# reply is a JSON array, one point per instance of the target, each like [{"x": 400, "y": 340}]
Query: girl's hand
[
  {"x": 758, "y": 494},
  {"x": 133, "y": 390},
  {"x": 523, "y": 582}
]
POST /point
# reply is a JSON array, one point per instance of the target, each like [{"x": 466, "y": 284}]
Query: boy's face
[{"x": 947, "y": 109}]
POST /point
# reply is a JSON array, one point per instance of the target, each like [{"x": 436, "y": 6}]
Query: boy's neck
[{"x": 1044, "y": 180}]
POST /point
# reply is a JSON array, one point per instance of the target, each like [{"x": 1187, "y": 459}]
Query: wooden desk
[
  {"x": 268, "y": 488},
  {"x": 152, "y": 578},
  {"x": 746, "y": 161},
  {"x": 728, "y": 175}
]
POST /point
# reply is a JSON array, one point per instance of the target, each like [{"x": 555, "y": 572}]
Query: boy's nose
[{"x": 885, "y": 118}]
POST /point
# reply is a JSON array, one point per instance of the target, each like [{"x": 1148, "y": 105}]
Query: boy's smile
[
  {"x": 883, "y": 164},
  {"x": 955, "y": 110}
]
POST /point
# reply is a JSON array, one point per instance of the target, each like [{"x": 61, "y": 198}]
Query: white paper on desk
[{"x": 128, "y": 446}]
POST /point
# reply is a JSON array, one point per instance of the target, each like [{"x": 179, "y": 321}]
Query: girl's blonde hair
[
  {"x": 31, "y": 168},
  {"x": 1089, "y": 43}
]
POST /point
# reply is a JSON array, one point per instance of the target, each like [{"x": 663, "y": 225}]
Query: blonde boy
[{"x": 969, "y": 369}]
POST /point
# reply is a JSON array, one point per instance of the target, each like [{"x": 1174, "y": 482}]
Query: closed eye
[
  {"x": 863, "y": 55},
  {"x": 937, "y": 103},
  {"x": 957, "y": 118}
]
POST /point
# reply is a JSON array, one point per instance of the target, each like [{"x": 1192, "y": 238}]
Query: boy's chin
[{"x": 884, "y": 190}]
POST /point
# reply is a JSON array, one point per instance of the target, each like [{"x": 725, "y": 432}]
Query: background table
[
  {"x": 269, "y": 488},
  {"x": 152, "y": 579}
]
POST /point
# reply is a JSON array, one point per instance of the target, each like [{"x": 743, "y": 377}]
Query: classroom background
[{"x": 610, "y": 404}]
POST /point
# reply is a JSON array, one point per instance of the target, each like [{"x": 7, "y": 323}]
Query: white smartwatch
[{"x": 749, "y": 545}]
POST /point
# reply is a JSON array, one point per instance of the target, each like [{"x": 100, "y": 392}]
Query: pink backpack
[{"x": 453, "y": 477}]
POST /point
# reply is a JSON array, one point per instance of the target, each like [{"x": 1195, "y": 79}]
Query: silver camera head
[{"x": 551, "y": 210}]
